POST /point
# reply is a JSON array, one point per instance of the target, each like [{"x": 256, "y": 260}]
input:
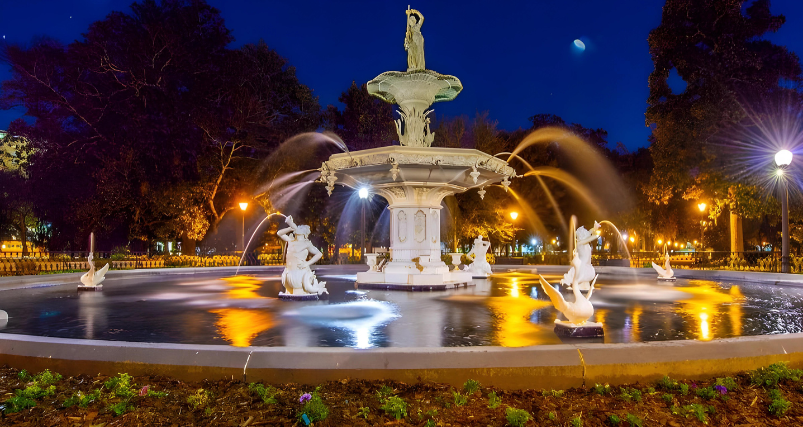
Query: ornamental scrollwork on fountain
[{"x": 416, "y": 132}]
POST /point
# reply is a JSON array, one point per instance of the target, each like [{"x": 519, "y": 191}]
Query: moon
[{"x": 579, "y": 44}]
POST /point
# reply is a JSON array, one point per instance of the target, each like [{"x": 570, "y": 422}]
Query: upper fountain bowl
[{"x": 397, "y": 87}]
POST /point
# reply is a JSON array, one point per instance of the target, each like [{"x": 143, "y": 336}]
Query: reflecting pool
[{"x": 509, "y": 309}]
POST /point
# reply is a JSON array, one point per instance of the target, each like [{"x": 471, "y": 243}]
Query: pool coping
[{"x": 548, "y": 366}]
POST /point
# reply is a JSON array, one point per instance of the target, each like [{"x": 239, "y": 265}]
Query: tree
[
  {"x": 717, "y": 50},
  {"x": 365, "y": 122}
]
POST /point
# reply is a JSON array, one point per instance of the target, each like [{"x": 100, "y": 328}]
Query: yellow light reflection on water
[
  {"x": 703, "y": 308},
  {"x": 511, "y": 313},
  {"x": 239, "y": 326}
]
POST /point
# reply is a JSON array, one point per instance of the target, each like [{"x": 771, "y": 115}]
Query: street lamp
[
  {"x": 702, "y": 207},
  {"x": 513, "y": 216},
  {"x": 243, "y": 207},
  {"x": 363, "y": 193},
  {"x": 783, "y": 159}
]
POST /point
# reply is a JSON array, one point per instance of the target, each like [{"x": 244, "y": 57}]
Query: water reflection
[{"x": 506, "y": 310}]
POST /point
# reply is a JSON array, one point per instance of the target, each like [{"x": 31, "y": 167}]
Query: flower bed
[{"x": 768, "y": 396}]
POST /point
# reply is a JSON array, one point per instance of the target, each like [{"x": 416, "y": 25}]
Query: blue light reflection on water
[{"x": 507, "y": 310}]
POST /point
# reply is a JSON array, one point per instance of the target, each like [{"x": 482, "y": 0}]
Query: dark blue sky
[{"x": 515, "y": 59}]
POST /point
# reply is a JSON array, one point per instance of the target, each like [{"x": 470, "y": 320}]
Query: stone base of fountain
[
  {"x": 566, "y": 329},
  {"x": 302, "y": 297},
  {"x": 423, "y": 275},
  {"x": 86, "y": 288},
  {"x": 413, "y": 288},
  {"x": 667, "y": 279}
]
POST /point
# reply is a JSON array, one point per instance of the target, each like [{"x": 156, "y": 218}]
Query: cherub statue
[
  {"x": 583, "y": 272},
  {"x": 297, "y": 277},
  {"x": 480, "y": 266}
]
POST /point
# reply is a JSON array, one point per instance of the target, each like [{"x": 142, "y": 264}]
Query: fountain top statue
[{"x": 416, "y": 89}]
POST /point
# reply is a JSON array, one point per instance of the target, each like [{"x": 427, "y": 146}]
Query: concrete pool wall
[{"x": 553, "y": 366}]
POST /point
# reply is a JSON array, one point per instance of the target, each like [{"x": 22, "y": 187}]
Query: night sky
[{"x": 515, "y": 59}]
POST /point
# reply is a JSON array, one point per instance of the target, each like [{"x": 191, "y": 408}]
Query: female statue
[{"x": 414, "y": 41}]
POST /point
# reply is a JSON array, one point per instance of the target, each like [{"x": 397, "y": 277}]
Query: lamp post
[
  {"x": 363, "y": 196},
  {"x": 513, "y": 216},
  {"x": 243, "y": 207},
  {"x": 783, "y": 159},
  {"x": 702, "y": 207}
]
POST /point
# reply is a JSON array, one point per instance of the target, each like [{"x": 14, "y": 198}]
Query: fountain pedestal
[{"x": 565, "y": 329}]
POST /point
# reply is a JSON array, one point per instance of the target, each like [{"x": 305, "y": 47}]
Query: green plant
[
  {"x": 119, "y": 408},
  {"x": 778, "y": 405},
  {"x": 554, "y": 393},
  {"x": 628, "y": 394},
  {"x": 430, "y": 423},
  {"x": 18, "y": 403},
  {"x": 552, "y": 416},
  {"x": 459, "y": 399},
  {"x": 267, "y": 394},
  {"x": 46, "y": 378},
  {"x": 121, "y": 385},
  {"x": 576, "y": 422},
  {"x": 363, "y": 412},
  {"x": 727, "y": 382},
  {"x": 517, "y": 417},
  {"x": 667, "y": 383},
  {"x": 384, "y": 392},
  {"x": 23, "y": 375},
  {"x": 493, "y": 400},
  {"x": 156, "y": 394},
  {"x": 774, "y": 374},
  {"x": 634, "y": 420},
  {"x": 82, "y": 400},
  {"x": 471, "y": 386},
  {"x": 314, "y": 408},
  {"x": 667, "y": 398},
  {"x": 684, "y": 389},
  {"x": 614, "y": 419},
  {"x": 201, "y": 398},
  {"x": 602, "y": 390},
  {"x": 707, "y": 393},
  {"x": 698, "y": 411},
  {"x": 396, "y": 407}
]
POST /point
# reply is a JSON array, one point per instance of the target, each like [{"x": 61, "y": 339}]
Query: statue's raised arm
[{"x": 283, "y": 233}]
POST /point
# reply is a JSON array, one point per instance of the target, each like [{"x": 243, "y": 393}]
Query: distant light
[
  {"x": 783, "y": 158},
  {"x": 632, "y": 239},
  {"x": 779, "y": 172},
  {"x": 702, "y": 206},
  {"x": 244, "y": 205},
  {"x": 624, "y": 236},
  {"x": 533, "y": 242},
  {"x": 660, "y": 241},
  {"x": 363, "y": 193},
  {"x": 514, "y": 215},
  {"x": 579, "y": 44}
]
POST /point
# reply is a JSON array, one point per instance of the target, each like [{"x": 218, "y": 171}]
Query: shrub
[
  {"x": 707, "y": 393},
  {"x": 602, "y": 390},
  {"x": 314, "y": 408},
  {"x": 553, "y": 393},
  {"x": 778, "y": 405},
  {"x": 200, "y": 399},
  {"x": 493, "y": 400},
  {"x": 633, "y": 420},
  {"x": 471, "y": 386},
  {"x": 459, "y": 399},
  {"x": 396, "y": 407},
  {"x": 82, "y": 400},
  {"x": 517, "y": 417},
  {"x": 774, "y": 374},
  {"x": 267, "y": 394},
  {"x": 628, "y": 394},
  {"x": 121, "y": 386}
]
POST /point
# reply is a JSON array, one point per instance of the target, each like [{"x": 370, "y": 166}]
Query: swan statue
[{"x": 666, "y": 272}]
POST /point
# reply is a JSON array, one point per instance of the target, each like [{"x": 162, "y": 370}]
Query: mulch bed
[{"x": 232, "y": 403}]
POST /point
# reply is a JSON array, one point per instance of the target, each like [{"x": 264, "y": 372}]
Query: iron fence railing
[{"x": 14, "y": 264}]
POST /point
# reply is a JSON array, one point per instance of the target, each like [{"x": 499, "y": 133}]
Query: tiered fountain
[{"x": 415, "y": 177}]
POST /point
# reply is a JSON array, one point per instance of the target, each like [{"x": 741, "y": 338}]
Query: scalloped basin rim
[{"x": 400, "y": 81}]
